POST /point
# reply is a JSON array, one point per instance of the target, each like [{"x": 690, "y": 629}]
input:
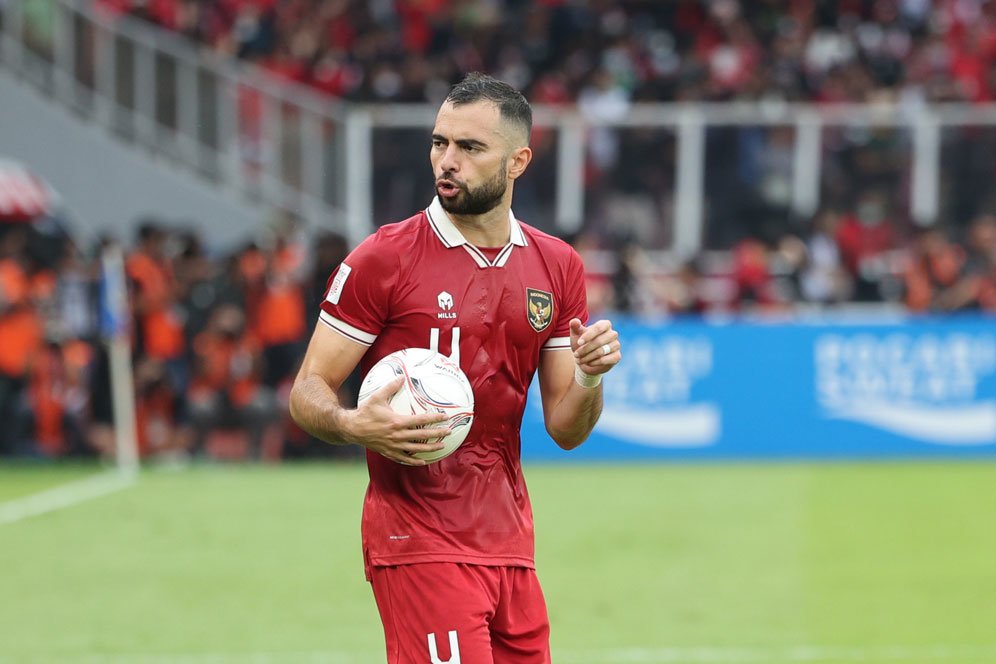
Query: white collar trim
[{"x": 450, "y": 235}]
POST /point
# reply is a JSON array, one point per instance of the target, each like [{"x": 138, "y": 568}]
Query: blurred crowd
[
  {"x": 603, "y": 56},
  {"x": 853, "y": 259},
  {"x": 215, "y": 339},
  {"x": 605, "y": 53}
]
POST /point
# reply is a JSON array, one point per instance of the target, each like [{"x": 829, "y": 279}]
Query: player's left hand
[{"x": 596, "y": 347}]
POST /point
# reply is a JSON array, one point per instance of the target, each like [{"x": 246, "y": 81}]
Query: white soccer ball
[{"x": 433, "y": 383}]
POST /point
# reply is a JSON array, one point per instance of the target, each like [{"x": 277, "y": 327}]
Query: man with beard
[{"x": 448, "y": 547}]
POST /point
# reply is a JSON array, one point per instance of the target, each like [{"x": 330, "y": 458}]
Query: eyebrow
[{"x": 463, "y": 142}]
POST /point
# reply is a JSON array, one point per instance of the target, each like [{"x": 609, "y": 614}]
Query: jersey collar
[{"x": 451, "y": 237}]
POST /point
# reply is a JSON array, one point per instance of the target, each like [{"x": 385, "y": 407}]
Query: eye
[
  {"x": 470, "y": 148},
  {"x": 437, "y": 143}
]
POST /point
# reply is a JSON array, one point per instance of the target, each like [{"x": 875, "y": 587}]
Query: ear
[{"x": 518, "y": 160}]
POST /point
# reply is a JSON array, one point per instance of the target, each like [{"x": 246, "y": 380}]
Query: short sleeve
[
  {"x": 573, "y": 303},
  {"x": 357, "y": 298}
]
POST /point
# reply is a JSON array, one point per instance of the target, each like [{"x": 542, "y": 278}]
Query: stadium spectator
[
  {"x": 823, "y": 279},
  {"x": 933, "y": 268},
  {"x": 330, "y": 249},
  {"x": 227, "y": 389},
  {"x": 752, "y": 275},
  {"x": 683, "y": 293},
  {"x": 21, "y": 330},
  {"x": 280, "y": 319},
  {"x": 863, "y": 238},
  {"x": 57, "y": 398},
  {"x": 100, "y": 425},
  {"x": 975, "y": 288},
  {"x": 787, "y": 260},
  {"x": 159, "y": 341},
  {"x": 197, "y": 288}
]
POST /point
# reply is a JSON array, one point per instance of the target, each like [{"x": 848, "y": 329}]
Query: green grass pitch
[{"x": 772, "y": 563}]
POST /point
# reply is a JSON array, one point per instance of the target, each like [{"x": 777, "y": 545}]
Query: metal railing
[
  {"x": 245, "y": 132},
  {"x": 287, "y": 146}
]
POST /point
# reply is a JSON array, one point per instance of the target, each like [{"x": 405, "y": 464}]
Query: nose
[{"x": 450, "y": 161}]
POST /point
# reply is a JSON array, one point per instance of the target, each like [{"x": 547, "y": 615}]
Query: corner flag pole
[{"x": 114, "y": 323}]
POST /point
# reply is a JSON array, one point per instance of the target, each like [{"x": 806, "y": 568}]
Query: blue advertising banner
[{"x": 692, "y": 389}]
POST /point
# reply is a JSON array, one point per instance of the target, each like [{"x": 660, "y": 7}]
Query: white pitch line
[
  {"x": 63, "y": 496},
  {"x": 800, "y": 654},
  {"x": 785, "y": 655},
  {"x": 316, "y": 657}
]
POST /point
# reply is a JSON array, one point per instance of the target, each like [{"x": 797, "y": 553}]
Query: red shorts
[{"x": 439, "y": 613}]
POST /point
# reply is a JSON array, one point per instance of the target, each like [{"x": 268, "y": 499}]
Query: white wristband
[{"x": 586, "y": 381}]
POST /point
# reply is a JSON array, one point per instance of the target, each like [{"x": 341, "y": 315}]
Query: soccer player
[{"x": 448, "y": 547}]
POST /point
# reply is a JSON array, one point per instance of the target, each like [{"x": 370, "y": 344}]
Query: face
[
  {"x": 457, "y": 197},
  {"x": 474, "y": 158}
]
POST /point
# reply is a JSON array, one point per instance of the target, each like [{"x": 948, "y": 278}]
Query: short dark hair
[
  {"x": 149, "y": 228},
  {"x": 512, "y": 105}
]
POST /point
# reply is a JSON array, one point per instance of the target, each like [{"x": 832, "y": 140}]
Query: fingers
[
  {"x": 418, "y": 437},
  {"x": 419, "y": 434},
  {"x": 599, "y": 346},
  {"x": 425, "y": 419},
  {"x": 396, "y": 436},
  {"x": 403, "y": 453},
  {"x": 388, "y": 390}
]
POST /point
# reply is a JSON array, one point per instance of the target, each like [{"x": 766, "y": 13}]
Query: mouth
[{"x": 447, "y": 188}]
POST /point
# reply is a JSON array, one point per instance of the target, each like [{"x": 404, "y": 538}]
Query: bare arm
[
  {"x": 570, "y": 410},
  {"x": 315, "y": 406}
]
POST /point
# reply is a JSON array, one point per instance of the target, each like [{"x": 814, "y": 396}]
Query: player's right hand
[{"x": 376, "y": 426}]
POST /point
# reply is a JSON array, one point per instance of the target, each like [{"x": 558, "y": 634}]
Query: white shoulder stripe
[
  {"x": 347, "y": 330},
  {"x": 557, "y": 343}
]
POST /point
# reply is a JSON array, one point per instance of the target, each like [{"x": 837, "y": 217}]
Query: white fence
[{"x": 286, "y": 146}]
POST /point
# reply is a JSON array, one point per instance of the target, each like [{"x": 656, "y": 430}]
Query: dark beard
[{"x": 478, "y": 201}]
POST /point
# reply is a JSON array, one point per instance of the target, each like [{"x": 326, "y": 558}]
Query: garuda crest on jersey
[{"x": 539, "y": 308}]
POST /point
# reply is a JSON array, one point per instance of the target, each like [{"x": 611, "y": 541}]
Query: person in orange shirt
[
  {"x": 975, "y": 288},
  {"x": 158, "y": 329},
  {"x": 934, "y": 266},
  {"x": 280, "y": 322},
  {"x": 159, "y": 332},
  {"x": 226, "y": 390},
  {"x": 57, "y": 396},
  {"x": 20, "y": 335}
]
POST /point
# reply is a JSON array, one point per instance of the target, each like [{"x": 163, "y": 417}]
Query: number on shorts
[{"x": 454, "y": 649}]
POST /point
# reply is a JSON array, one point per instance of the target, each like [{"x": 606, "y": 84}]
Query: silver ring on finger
[{"x": 606, "y": 349}]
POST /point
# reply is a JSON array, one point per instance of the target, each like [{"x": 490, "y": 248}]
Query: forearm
[
  {"x": 572, "y": 420},
  {"x": 315, "y": 407}
]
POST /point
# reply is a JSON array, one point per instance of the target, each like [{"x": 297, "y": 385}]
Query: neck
[{"x": 491, "y": 229}]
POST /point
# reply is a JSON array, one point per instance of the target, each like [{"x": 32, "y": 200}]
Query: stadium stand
[
  {"x": 200, "y": 367},
  {"x": 597, "y": 52}
]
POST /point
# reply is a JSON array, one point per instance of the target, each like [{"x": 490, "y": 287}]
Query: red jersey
[{"x": 420, "y": 284}]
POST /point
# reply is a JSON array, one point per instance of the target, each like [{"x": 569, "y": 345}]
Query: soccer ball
[{"x": 433, "y": 382}]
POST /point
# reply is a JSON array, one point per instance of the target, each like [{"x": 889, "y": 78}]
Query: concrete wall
[{"x": 107, "y": 184}]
